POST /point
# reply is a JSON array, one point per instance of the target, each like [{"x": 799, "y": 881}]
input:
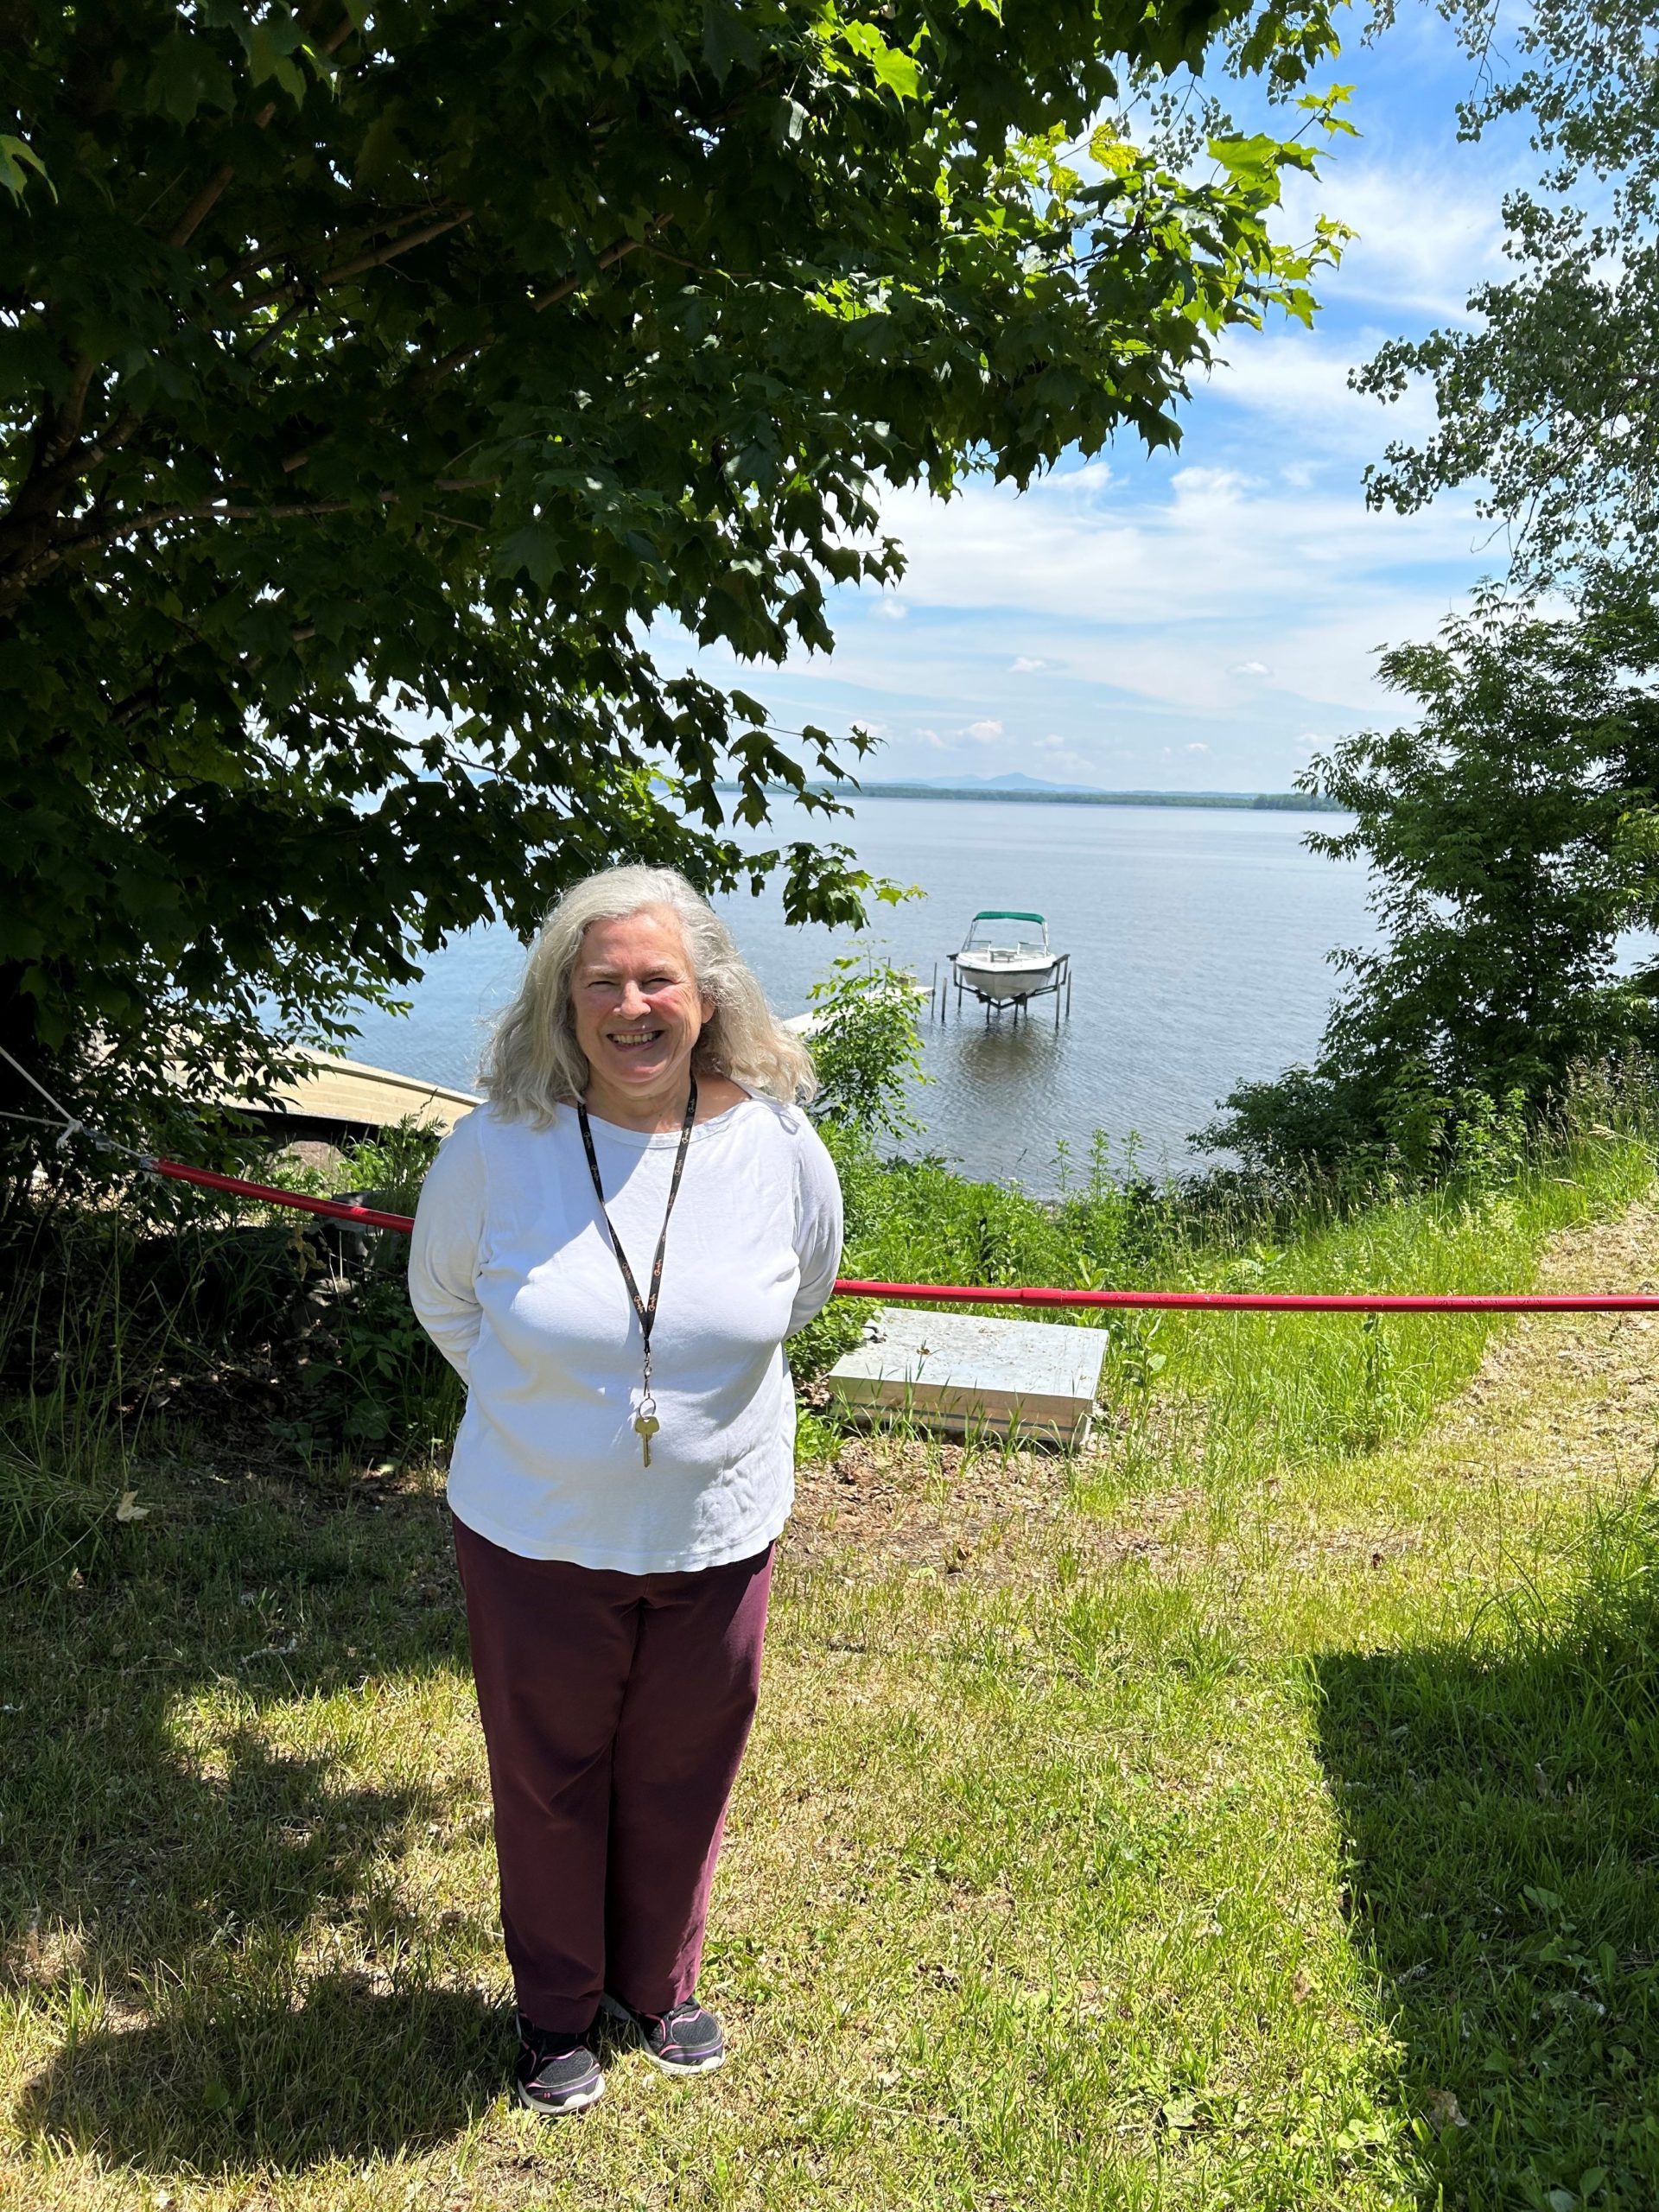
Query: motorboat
[{"x": 1006, "y": 957}]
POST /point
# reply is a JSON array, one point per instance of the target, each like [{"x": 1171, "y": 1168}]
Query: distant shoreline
[{"x": 1249, "y": 801}]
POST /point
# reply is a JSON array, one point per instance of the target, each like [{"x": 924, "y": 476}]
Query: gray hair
[{"x": 534, "y": 1064}]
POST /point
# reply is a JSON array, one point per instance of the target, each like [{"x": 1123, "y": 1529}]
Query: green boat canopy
[{"x": 1005, "y": 914}]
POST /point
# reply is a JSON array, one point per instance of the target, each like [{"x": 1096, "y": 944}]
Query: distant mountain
[
  {"x": 1016, "y": 780},
  {"x": 1015, "y": 788}
]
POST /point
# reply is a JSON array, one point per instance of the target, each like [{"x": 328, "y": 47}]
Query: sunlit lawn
[{"x": 1218, "y": 1839}]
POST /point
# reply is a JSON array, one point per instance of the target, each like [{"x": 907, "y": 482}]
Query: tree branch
[
  {"x": 65, "y": 427},
  {"x": 213, "y": 191},
  {"x": 223, "y": 510},
  {"x": 207, "y": 199},
  {"x": 45, "y": 550},
  {"x": 61, "y": 460},
  {"x": 347, "y": 270},
  {"x": 427, "y": 379},
  {"x": 605, "y": 259},
  {"x": 274, "y": 329},
  {"x": 266, "y": 257},
  {"x": 36, "y": 500},
  {"x": 208, "y": 509}
]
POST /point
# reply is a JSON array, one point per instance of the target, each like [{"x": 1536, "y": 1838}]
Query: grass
[{"x": 1257, "y": 1812}]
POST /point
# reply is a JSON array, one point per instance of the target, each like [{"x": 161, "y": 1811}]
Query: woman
[{"x": 611, "y": 1253}]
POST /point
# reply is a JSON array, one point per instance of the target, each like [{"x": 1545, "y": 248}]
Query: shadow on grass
[
  {"x": 347, "y": 2074},
  {"x": 1499, "y": 1797},
  {"x": 207, "y": 1919}
]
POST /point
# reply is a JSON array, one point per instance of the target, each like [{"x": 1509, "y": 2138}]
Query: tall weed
[
  {"x": 230, "y": 1313},
  {"x": 81, "y": 1357}
]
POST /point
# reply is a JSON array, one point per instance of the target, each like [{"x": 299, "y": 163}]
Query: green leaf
[
  {"x": 1255, "y": 159},
  {"x": 894, "y": 70},
  {"x": 537, "y": 548},
  {"x": 270, "y": 45},
  {"x": 16, "y": 157},
  {"x": 728, "y": 43},
  {"x": 186, "y": 75}
]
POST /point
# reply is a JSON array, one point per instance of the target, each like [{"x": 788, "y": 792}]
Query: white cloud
[
  {"x": 1197, "y": 748},
  {"x": 1216, "y": 487},
  {"x": 1250, "y": 668},
  {"x": 1027, "y": 665},
  {"x": 1059, "y": 753},
  {"x": 985, "y": 732},
  {"x": 1428, "y": 228},
  {"x": 1162, "y": 597},
  {"x": 890, "y": 610},
  {"x": 1299, "y": 381}
]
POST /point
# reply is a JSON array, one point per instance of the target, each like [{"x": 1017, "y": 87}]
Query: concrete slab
[{"x": 960, "y": 1371}]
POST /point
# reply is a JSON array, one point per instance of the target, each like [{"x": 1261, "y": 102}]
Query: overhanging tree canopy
[
  {"x": 371, "y": 381},
  {"x": 1547, "y": 395}
]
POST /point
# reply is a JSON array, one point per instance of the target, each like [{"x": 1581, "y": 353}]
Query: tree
[
  {"x": 1513, "y": 831},
  {"x": 1549, "y": 398},
  {"x": 1512, "y": 839},
  {"x": 386, "y": 395}
]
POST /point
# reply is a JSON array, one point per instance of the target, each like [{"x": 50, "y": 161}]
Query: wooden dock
[
  {"x": 806, "y": 1026},
  {"x": 349, "y": 1094}
]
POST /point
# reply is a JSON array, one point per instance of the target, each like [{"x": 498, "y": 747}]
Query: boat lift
[{"x": 1006, "y": 961}]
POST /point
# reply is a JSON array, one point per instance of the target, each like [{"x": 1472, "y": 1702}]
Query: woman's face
[{"x": 637, "y": 1010}]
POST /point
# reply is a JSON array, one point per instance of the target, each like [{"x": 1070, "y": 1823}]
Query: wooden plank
[
  {"x": 353, "y": 1092},
  {"x": 962, "y": 1371}
]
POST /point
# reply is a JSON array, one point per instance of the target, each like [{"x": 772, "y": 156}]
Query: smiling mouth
[{"x": 631, "y": 1040}]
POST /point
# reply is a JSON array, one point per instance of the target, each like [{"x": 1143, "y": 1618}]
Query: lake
[{"x": 1200, "y": 939}]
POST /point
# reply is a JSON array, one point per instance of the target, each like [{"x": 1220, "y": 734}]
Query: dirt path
[{"x": 1571, "y": 1400}]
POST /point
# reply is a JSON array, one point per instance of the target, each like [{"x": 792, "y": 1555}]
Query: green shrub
[
  {"x": 366, "y": 1377},
  {"x": 864, "y": 1046}
]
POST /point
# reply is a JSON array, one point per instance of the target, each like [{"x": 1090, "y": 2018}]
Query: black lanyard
[{"x": 645, "y": 1309}]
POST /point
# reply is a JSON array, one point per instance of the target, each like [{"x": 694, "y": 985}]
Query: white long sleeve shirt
[{"x": 515, "y": 1280}]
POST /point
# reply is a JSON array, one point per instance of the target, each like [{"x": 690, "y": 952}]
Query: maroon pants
[{"x": 615, "y": 1710}]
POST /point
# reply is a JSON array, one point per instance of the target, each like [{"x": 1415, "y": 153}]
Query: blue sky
[{"x": 1203, "y": 620}]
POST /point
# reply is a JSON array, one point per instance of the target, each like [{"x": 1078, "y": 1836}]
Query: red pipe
[
  {"x": 364, "y": 1217},
  {"x": 1206, "y": 1301},
  {"x": 1260, "y": 1301}
]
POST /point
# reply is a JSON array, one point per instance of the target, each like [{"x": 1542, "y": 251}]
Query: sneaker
[
  {"x": 556, "y": 2073},
  {"x": 686, "y": 2039}
]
